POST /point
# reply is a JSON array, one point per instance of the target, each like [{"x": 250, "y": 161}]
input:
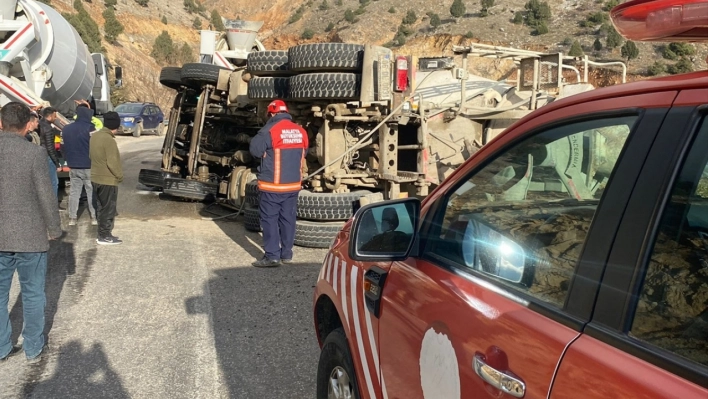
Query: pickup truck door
[
  {"x": 648, "y": 336},
  {"x": 507, "y": 271}
]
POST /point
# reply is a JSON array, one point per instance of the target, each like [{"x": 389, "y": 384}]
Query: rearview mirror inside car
[{"x": 384, "y": 231}]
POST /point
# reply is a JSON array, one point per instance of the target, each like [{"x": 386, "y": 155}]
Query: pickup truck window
[
  {"x": 672, "y": 311},
  {"x": 523, "y": 218}
]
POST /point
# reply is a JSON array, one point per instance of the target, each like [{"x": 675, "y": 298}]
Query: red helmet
[{"x": 276, "y": 106}]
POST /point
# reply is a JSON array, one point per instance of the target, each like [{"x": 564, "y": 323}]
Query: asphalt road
[{"x": 175, "y": 312}]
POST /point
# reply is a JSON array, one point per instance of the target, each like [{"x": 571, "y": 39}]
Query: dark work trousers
[
  {"x": 278, "y": 212},
  {"x": 106, "y": 198}
]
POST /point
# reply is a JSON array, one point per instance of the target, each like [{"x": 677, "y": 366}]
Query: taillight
[
  {"x": 667, "y": 20},
  {"x": 401, "y": 73}
]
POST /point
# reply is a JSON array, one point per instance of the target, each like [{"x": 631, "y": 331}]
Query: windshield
[{"x": 129, "y": 108}]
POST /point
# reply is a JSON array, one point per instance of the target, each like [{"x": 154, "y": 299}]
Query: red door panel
[
  {"x": 434, "y": 322},
  {"x": 595, "y": 370}
]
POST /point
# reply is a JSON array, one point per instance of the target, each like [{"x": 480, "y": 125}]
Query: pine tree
[
  {"x": 576, "y": 50},
  {"x": 86, "y": 27},
  {"x": 457, "y": 9},
  {"x": 630, "y": 50},
  {"x": 163, "y": 49},
  {"x": 613, "y": 40},
  {"x": 486, "y": 5},
  {"x": 186, "y": 54},
  {"x": 597, "y": 45},
  {"x": 216, "y": 22},
  {"x": 329, "y": 27},
  {"x": 113, "y": 27},
  {"x": 197, "y": 23},
  {"x": 435, "y": 21},
  {"x": 410, "y": 18},
  {"x": 164, "y": 20},
  {"x": 349, "y": 16}
]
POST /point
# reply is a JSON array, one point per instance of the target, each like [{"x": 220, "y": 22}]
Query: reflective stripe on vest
[{"x": 279, "y": 188}]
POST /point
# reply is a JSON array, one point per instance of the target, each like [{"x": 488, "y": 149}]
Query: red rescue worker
[{"x": 281, "y": 144}]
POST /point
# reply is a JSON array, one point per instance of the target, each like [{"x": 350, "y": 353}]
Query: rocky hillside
[{"x": 430, "y": 29}]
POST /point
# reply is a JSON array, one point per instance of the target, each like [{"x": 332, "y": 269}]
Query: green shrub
[
  {"x": 349, "y": 16},
  {"x": 164, "y": 20},
  {"x": 567, "y": 41},
  {"x": 307, "y": 34},
  {"x": 597, "y": 45},
  {"x": 197, "y": 23},
  {"x": 518, "y": 18},
  {"x": 410, "y": 18},
  {"x": 142, "y": 3},
  {"x": 541, "y": 28},
  {"x": 435, "y": 21},
  {"x": 392, "y": 10},
  {"x": 216, "y": 22},
  {"x": 457, "y": 9},
  {"x": 324, "y": 6},
  {"x": 657, "y": 68},
  {"x": 329, "y": 27},
  {"x": 112, "y": 26},
  {"x": 469, "y": 34},
  {"x": 163, "y": 49},
  {"x": 684, "y": 65},
  {"x": 576, "y": 50},
  {"x": 630, "y": 50}
]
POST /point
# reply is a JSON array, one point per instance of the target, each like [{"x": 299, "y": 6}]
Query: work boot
[
  {"x": 72, "y": 222},
  {"x": 265, "y": 262},
  {"x": 15, "y": 349}
]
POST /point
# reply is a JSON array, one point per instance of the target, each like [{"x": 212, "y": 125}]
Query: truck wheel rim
[{"x": 339, "y": 384}]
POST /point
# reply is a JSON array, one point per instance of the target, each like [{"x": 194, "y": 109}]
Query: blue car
[{"x": 139, "y": 118}]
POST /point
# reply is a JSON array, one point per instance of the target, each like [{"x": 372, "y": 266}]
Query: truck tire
[
  {"x": 336, "y": 367},
  {"x": 333, "y": 86},
  {"x": 316, "y": 234},
  {"x": 171, "y": 77},
  {"x": 330, "y": 57},
  {"x": 197, "y": 73},
  {"x": 268, "y": 63},
  {"x": 190, "y": 189},
  {"x": 266, "y": 88},
  {"x": 252, "y": 193},
  {"x": 316, "y": 206},
  {"x": 252, "y": 219}
]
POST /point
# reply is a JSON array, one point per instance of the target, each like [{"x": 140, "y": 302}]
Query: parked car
[
  {"x": 568, "y": 258},
  {"x": 139, "y": 118}
]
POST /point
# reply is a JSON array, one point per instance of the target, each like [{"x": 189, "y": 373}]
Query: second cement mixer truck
[{"x": 43, "y": 60}]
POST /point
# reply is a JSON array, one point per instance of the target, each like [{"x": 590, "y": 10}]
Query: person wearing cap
[
  {"x": 281, "y": 145},
  {"x": 77, "y": 136},
  {"x": 106, "y": 174}
]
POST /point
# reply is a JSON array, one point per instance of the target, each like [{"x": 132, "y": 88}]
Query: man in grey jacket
[{"x": 30, "y": 217}]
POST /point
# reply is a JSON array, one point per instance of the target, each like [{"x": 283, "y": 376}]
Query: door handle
[{"x": 503, "y": 381}]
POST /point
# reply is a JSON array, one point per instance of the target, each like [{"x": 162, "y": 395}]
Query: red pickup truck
[{"x": 568, "y": 258}]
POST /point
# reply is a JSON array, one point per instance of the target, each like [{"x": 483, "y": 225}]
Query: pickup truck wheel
[
  {"x": 316, "y": 234},
  {"x": 268, "y": 63},
  {"x": 138, "y": 130},
  {"x": 197, "y": 73},
  {"x": 252, "y": 193},
  {"x": 335, "y": 372},
  {"x": 333, "y": 86},
  {"x": 330, "y": 57},
  {"x": 171, "y": 77},
  {"x": 316, "y": 206},
  {"x": 252, "y": 219},
  {"x": 266, "y": 88}
]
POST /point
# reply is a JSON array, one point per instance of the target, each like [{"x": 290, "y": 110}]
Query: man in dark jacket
[
  {"x": 47, "y": 132},
  {"x": 29, "y": 215},
  {"x": 76, "y": 138},
  {"x": 282, "y": 145}
]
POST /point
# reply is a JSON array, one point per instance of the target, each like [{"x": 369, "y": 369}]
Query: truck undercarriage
[{"x": 379, "y": 126}]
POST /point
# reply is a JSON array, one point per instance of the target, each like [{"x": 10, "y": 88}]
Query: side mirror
[
  {"x": 385, "y": 231},
  {"x": 488, "y": 251}
]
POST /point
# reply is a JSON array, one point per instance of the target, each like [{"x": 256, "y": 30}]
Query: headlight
[{"x": 128, "y": 119}]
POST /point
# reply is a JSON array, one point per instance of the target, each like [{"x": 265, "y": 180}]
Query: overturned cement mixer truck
[{"x": 380, "y": 125}]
